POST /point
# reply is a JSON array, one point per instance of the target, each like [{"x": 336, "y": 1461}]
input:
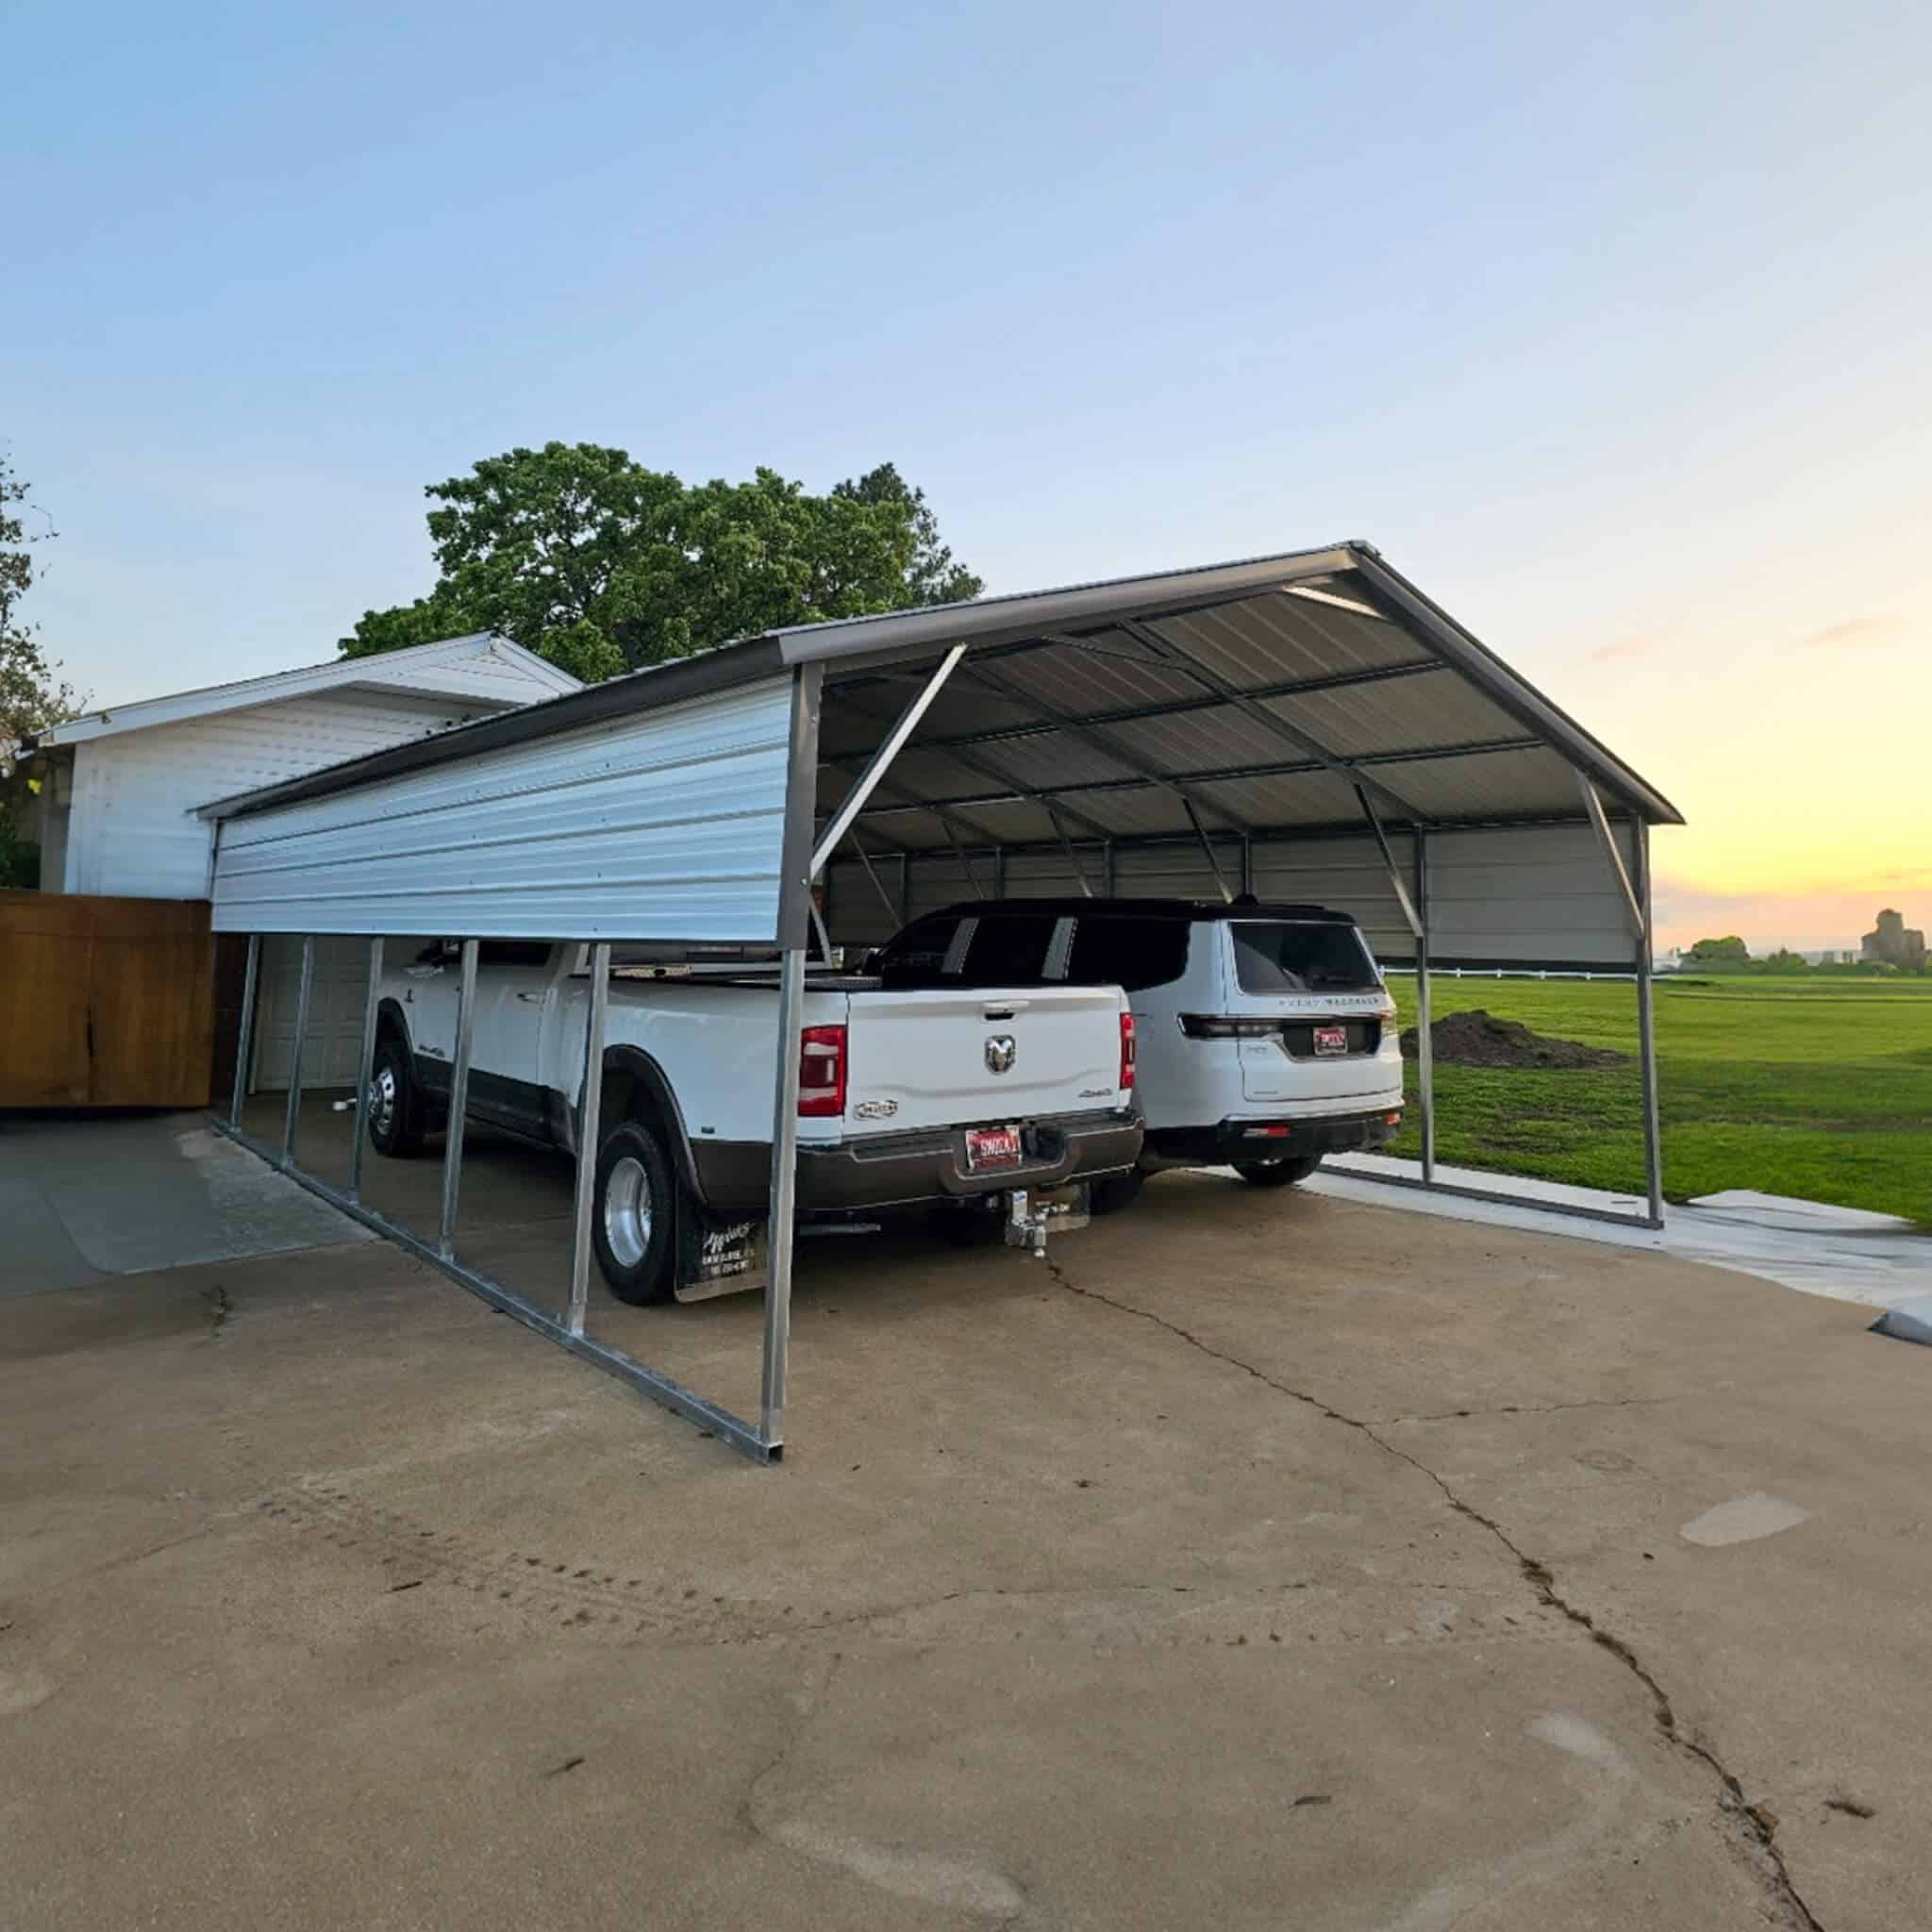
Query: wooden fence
[{"x": 105, "y": 1002}]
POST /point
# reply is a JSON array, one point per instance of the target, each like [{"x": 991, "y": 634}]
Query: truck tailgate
[{"x": 950, "y": 1058}]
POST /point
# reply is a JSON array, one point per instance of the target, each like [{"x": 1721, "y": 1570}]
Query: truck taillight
[
  {"x": 822, "y": 1071},
  {"x": 1126, "y": 1052}
]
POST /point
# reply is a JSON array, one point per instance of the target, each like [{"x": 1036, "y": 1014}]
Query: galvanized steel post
[
  {"x": 244, "y": 1033},
  {"x": 1646, "y": 1035},
  {"x": 589, "y": 1131},
  {"x": 1425, "y": 1044},
  {"x": 365, "y": 1072},
  {"x": 783, "y": 1199},
  {"x": 295, "y": 1108},
  {"x": 458, "y": 1103}
]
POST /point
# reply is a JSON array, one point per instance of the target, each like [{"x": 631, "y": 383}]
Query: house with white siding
[{"x": 120, "y": 786}]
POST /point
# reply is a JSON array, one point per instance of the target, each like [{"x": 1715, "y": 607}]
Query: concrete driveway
[{"x": 1260, "y": 1561}]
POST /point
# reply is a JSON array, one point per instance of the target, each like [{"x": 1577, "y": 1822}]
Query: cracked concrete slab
[{"x": 1266, "y": 1560}]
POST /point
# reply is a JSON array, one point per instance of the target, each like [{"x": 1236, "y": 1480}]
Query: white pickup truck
[{"x": 903, "y": 1096}]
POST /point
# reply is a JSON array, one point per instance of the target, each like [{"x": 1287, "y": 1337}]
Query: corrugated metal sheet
[
  {"x": 1396, "y": 714},
  {"x": 1515, "y": 784},
  {"x": 670, "y": 825},
  {"x": 1306, "y": 799},
  {"x": 1531, "y": 894},
  {"x": 1268, "y": 639}
]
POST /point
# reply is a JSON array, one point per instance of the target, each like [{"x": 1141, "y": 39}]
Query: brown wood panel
[
  {"x": 105, "y": 1002},
  {"x": 44, "y": 1057}
]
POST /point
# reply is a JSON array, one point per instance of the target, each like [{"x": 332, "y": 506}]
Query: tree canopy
[
  {"x": 582, "y": 555},
  {"x": 33, "y": 695},
  {"x": 1730, "y": 950}
]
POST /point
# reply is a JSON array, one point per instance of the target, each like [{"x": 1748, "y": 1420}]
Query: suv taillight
[
  {"x": 822, "y": 1071},
  {"x": 1218, "y": 1026},
  {"x": 1126, "y": 1051}
]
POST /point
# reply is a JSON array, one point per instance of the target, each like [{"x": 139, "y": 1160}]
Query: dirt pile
[{"x": 1480, "y": 1040}]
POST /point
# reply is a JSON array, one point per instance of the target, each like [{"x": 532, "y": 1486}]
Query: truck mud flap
[{"x": 717, "y": 1257}]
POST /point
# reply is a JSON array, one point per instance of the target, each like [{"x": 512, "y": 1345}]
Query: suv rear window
[
  {"x": 1130, "y": 953},
  {"x": 1301, "y": 956}
]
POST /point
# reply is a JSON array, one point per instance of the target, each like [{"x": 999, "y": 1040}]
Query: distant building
[{"x": 1895, "y": 943}]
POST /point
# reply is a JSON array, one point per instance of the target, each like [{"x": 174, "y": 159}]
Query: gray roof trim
[{"x": 1024, "y": 614}]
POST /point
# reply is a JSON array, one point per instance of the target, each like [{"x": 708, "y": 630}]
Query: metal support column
[
  {"x": 1107, "y": 874},
  {"x": 295, "y": 1108},
  {"x": 590, "y": 1134},
  {"x": 365, "y": 1072},
  {"x": 1248, "y": 864},
  {"x": 458, "y": 1103},
  {"x": 783, "y": 1201},
  {"x": 1425, "y": 1044},
  {"x": 905, "y": 888},
  {"x": 244, "y": 1034},
  {"x": 1646, "y": 1034}
]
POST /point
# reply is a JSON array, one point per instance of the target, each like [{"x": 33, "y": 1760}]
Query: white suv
[{"x": 1266, "y": 1037}]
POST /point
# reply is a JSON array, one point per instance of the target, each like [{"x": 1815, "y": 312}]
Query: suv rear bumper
[
  {"x": 1234, "y": 1139},
  {"x": 890, "y": 1170}
]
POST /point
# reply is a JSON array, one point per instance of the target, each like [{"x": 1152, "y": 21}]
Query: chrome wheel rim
[
  {"x": 382, "y": 1099},
  {"x": 627, "y": 1211}
]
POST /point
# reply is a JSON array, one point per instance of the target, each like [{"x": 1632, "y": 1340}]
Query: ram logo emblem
[{"x": 1001, "y": 1052}]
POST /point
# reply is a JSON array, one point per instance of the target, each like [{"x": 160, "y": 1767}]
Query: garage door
[{"x": 335, "y": 1013}]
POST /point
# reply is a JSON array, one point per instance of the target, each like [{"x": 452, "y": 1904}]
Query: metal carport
[{"x": 1308, "y": 725}]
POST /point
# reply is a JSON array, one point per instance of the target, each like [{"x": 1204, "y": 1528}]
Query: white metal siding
[
  {"x": 133, "y": 828},
  {"x": 666, "y": 825}
]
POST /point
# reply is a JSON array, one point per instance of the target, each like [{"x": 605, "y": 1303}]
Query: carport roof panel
[{"x": 1214, "y": 644}]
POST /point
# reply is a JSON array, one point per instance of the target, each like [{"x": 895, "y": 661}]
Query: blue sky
[{"x": 1608, "y": 329}]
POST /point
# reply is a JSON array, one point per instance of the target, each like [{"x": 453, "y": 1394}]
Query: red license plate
[
  {"x": 989, "y": 1147},
  {"x": 1331, "y": 1039}
]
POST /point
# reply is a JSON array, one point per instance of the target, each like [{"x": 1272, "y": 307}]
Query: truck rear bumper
[
  {"x": 890, "y": 1169},
  {"x": 1289, "y": 1139}
]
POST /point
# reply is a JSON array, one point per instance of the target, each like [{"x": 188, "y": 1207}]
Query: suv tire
[
  {"x": 634, "y": 1214},
  {"x": 1277, "y": 1174}
]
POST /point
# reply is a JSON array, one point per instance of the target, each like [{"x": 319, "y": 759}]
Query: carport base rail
[
  {"x": 674, "y": 1396},
  {"x": 1500, "y": 1198}
]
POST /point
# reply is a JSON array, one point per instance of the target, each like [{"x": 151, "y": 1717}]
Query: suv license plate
[
  {"x": 992, "y": 1147},
  {"x": 1331, "y": 1039}
]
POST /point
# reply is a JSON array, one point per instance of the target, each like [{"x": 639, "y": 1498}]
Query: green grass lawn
[{"x": 1820, "y": 1088}]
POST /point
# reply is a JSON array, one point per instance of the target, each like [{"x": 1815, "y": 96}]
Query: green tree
[
  {"x": 1731, "y": 950},
  {"x": 584, "y": 556},
  {"x": 932, "y": 577},
  {"x": 33, "y": 695}
]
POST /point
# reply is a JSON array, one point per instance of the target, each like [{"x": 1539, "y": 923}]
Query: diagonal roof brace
[
  {"x": 1252, "y": 707},
  {"x": 1633, "y": 906},
  {"x": 1402, "y": 898},
  {"x": 881, "y": 762}
]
